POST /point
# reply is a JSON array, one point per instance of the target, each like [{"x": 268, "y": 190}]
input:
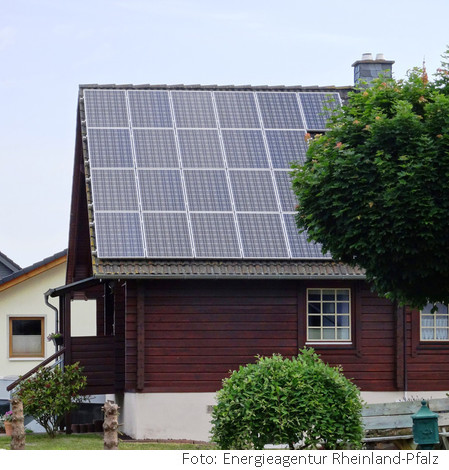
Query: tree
[
  {"x": 300, "y": 401},
  {"x": 51, "y": 393},
  {"x": 374, "y": 190}
]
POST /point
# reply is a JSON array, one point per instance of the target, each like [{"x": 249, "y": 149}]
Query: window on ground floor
[
  {"x": 328, "y": 315},
  {"x": 26, "y": 337},
  {"x": 435, "y": 325}
]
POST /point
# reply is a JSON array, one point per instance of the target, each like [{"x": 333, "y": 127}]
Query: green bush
[
  {"x": 301, "y": 402},
  {"x": 51, "y": 393}
]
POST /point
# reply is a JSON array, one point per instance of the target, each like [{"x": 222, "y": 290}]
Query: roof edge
[
  {"x": 312, "y": 88},
  {"x": 263, "y": 269},
  {"x": 8, "y": 262},
  {"x": 33, "y": 270}
]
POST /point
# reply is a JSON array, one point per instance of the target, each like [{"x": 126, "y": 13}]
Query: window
[
  {"x": 435, "y": 326},
  {"x": 328, "y": 315},
  {"x": 26, "y": 337}
]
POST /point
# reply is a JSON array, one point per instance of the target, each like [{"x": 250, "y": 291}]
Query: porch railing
[{"x": 57, "y": 354}]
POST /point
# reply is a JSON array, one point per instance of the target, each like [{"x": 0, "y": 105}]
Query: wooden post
[
  {"x": 399, "y": 346},
  {"x": 66, "y": 313},
  {"x": 18, "y": 428},
  {"x": 110, "y": 426},
  {"x": 140, "y": 336}
]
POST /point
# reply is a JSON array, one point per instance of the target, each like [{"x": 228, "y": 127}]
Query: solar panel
[
  {"x": 237, "y": 110},
  {"x": 167, "y": 235},
  {"x": 198, "y": 173},
  {"x": 253, "y": 191},
  {"x": 245, "y": 149},
  {"x": 106, "y": 108},
  {"x": 286, "y": 147},
  {"x": 317, "y": 108},
  {"x": 280, "y": 111},
  {"x": 286, "y": 195},
  {"x": 119, "y": 235},
  {"x": 200, "y": 148},
  {"x": 215, "y": 235},
  {"x": 266, "y": 243},
  {"x": 110, "y": 148},
  {"x": 161, "y": 190},
  {"x": 155, "y": 148},
  {"x": 149, "y": 108},
  {"x": 193, "y": 109},
  {"x": 299, "y": 245},
  {"x": 207, "y": 190},
  {"x": 114, "y": 190}
]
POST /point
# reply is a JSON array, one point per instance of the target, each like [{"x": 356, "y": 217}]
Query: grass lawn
[{"x": 93, "y": 441}]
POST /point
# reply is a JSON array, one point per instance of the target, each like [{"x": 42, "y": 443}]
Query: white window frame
[
  {"x": 433, "y": 318},
  {"x": 321, "y": 314}
]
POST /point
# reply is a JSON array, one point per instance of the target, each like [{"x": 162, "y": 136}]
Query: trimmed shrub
[{"x": 301, "y": 402}]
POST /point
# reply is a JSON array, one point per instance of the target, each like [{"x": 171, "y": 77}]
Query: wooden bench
[{"x": 392, "y": 422}]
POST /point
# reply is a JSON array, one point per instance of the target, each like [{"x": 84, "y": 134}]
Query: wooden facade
[{"x": 186, "y": 335}]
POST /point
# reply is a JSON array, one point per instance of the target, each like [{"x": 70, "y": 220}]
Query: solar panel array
[{"x": 198, "y": 174}]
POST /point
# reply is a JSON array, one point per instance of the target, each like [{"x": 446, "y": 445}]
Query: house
[
  {"x": 182, "y": 231},
  {"x": 26, "y": 320},
  {"x": 7, "y": 266}
]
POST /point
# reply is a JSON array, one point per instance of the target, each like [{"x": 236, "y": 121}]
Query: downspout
[
  {"x": 46, "y": 296},
  {"x": 404, "y": 319}
]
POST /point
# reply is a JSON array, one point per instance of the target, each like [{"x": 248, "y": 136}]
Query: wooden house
[{"x": 182, "y": 230}]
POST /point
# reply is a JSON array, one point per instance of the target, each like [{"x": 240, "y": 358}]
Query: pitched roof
[
  {"x": 192, "y": 181},
  {"x": 32, "y": 270}
]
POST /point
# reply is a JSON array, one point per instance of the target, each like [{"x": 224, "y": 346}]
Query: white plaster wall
[
  {"x": 83, "y": 317},
  {"x": 166, "y": 415},
  {"x": 27, "y": 299},
  {"x": 186, "y": 415}
]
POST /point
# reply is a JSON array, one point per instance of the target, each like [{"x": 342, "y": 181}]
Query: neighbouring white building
[{"x": 26, "y": 319}]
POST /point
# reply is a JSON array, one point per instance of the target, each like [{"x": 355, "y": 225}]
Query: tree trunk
[
  {"x": 18, "y": 428},
  {"x": 110, "y": 426}
]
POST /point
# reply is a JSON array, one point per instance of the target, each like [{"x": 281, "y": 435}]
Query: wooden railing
[
  {"x": 35, "y": 369},
  {"x": 96, "y": 356}
]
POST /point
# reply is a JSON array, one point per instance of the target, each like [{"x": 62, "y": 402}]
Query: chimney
[{"x": 368, "y": 68}]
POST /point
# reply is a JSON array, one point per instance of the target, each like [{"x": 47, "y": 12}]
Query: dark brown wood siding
[
  {"x": 94, "y": 355},
  {"x": 186, "y": 335},
  {"x": 370, "y": 361},
  {"x": 195, "y": 332},
  {"x": 103, "y": 356},
  {"x": 428, "y": 363}
]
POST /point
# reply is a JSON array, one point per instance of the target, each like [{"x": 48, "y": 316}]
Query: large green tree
[{"x": 374, "y": 189}]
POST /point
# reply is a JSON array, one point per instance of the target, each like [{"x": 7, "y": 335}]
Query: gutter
[{"x": 84, "y": 283}]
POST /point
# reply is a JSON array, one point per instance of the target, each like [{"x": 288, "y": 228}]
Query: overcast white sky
[{"x": 49, "y": 47}]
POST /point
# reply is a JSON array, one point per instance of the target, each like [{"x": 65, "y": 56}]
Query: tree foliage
[
  {"x": 375, "y": 189},
  {"x": 51, "y": 393},
  {"x": 299, "y": 401}
]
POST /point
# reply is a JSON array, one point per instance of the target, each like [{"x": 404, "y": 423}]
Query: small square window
[
  {"x": 434, "y": 325},
  {"x": 328, "y": 315},
  {"x": 26, "y": 337}
]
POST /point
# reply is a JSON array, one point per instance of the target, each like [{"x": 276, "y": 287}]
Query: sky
[{"x": 49, "y": 47}]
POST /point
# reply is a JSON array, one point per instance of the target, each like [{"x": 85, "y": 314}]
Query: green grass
[{"x": 93, "y": 441}]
